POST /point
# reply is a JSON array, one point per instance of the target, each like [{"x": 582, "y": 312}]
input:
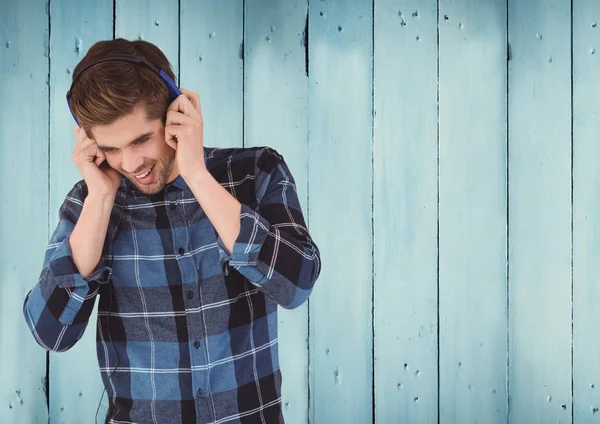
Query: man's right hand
[{"x": 100, "y": 178}]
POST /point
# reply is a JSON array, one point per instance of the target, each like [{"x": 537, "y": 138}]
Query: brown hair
[{"x": 110, "y": 90}]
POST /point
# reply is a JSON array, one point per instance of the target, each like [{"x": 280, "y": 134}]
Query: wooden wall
[{"x": 446, "y": 155}]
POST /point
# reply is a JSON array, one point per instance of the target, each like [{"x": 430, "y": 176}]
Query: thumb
[
  {"x": 171, "y": 132},
  {"x": 100, "y": 157}
]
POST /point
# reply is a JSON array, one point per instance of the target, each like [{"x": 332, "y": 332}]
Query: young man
[{"x": 190, "y": 250}]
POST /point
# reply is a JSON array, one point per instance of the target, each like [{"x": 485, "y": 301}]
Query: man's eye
[
  {"x": 108, "y": 150},
  {"x": 137, "y": 143}
]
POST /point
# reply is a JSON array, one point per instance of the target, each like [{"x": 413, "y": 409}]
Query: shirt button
[
  {"x": 200, "y": 393},
  {"x": 196, "y": 344},
  {"x": 225, "y": 267},
  {"x": 173, "y": 206},
  {"x": 190, "y": 294},
  {"x": 181, "y": 250}
]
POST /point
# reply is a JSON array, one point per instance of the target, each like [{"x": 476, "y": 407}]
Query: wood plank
[
  {"x": 24, "y": 203},
  {"x": 275, "y": 114},
  {"x": 472, "y": 238},
  {"x": 586, "y": 209},
  {"x": 74, "y": 396},
  {"x": 540, "y": 211},
  {"x": 212, "y": 66},
  {"x": 340, "y": 211},
  {"x": 405, "y": 212},
  {"x": 154, "y": 21}
]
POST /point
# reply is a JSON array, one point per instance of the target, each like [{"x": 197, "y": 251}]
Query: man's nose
[{"x": 132, "y": 164}]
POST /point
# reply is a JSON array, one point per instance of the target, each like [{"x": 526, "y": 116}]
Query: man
[{"x": 190, "y": 249}]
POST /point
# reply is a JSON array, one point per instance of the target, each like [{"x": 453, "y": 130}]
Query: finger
[
  {"x": 81, "y": 144},
  {"x": 179, "y": 118},
  {"x": 77, "y": 131},
  {"x": 186, "y": 92},
  {"x": 80, "y": 134},
  {"x": 184, "y": 105},
  {"x": 171, "y": 134},
  {"x": 86, "y": 147},
  {"x": 81, "y": 137},
  {"x": 100, "y": 157},
  {"x": 194, "y": 98},
  {"x": 91, "y": 153}
]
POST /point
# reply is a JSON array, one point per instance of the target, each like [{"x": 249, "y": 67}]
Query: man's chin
[{"x": 153, "y": 188}]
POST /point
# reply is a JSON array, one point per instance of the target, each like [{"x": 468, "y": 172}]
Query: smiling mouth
[{"x": 145, "y": 177}]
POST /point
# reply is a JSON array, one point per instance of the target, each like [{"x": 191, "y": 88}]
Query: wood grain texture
[
  {"x": 540, "y": 211},
  {"x": 212, "y": 66},
  {"x": 586, "y": 209},
  {"x": 340, "y": 212},
  {"x": 75, "y": 27},
  {"x": 23, "y": 203},
  {"x": 417, "y": 140},
  {"x": 472, "y": 208},
  {"x": 405, "y": 212},
  {"x": 275, "y": 115}
]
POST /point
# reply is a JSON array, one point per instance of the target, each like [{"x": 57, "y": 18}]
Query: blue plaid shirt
[{"x": 187, "y": 333}]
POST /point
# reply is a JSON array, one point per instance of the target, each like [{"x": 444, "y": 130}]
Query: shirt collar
[{"x": 178, "y": 182}]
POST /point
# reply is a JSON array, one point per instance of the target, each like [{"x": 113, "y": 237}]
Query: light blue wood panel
[
  {"x": 586, "y": 209},
  {"x": 405, "y": 212},
  {"x": 75, "y": 383},
  {"x": 340, "y": 210},
  {"x": 212, "y": 66},
  {"x": 472, "y": 210},
  {"x": 154, "y": 21},
  {"x": 23, "y": 203},
  {"x": 275, "y": 114},
  {"x": 540, "y": 211}
]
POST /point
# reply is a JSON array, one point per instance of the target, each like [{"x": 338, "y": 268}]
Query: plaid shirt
[{"x": 186, "y": 331}]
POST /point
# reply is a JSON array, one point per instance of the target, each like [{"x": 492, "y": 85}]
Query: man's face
[{"x": 133, "y": 156}]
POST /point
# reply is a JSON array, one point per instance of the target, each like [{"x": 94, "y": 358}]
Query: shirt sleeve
[
  {"x": 58, "y": 307},
  {"x": 274, "y": 249}
]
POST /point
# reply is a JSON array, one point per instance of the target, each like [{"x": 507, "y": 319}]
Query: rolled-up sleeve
[
  {"x": 58, "y": 307},
  {"x": 274, "y": 249}
]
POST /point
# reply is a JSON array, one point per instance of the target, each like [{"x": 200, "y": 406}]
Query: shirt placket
[{"x": 190, "y": 291}]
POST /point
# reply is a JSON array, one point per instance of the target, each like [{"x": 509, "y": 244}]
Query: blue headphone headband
[{"x": 174, "y": 91}]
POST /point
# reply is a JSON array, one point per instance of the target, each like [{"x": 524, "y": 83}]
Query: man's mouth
[{"x": 146, "y": 176}]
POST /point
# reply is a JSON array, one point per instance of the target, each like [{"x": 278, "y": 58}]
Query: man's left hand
[{"x": 184, "y": 133}]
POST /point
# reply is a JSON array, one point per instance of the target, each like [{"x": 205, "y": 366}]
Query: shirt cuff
[
  {"x": 246, "y": 248},
  {"x": 65, "y": 272}
]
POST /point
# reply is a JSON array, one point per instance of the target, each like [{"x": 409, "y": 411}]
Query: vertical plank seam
[
  {"x": 438, "y": 203},
  {"x": 572, "y": 226},
  {"x": 305, "y": 42},
  {"x": 48, "y": 10},
  {"x": 373, "y": 112},
  {"x": 308, "y": 308},
  {"x": 508, "y": 57},
  {"x": 114, "y": 19}
]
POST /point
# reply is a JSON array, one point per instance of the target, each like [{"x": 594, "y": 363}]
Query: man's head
[{"x": 117, "y": 102}]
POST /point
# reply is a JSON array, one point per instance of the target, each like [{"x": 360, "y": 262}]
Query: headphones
[{"x": 174, "y": 92}]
